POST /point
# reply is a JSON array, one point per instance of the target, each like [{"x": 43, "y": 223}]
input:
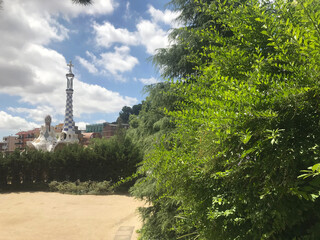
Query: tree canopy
[
  {"x": 177, "y": 61},
  {"x": 127, "y": 111},
  {"x": 246, "y": 125}
]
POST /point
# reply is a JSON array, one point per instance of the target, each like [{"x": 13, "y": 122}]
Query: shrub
[{"x": 80, "y": 188}]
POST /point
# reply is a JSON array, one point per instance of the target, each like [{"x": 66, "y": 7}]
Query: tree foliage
[
  {"x": 177, "y": 61},
  {"x": 105, "y": 160},
  {"x": 152, "y": 123},
  {"x": 246, "y": 125},
  {"x": 83, "y": 2},
  {"x": 126, "y": 111},
  {"x": 148, "y": 129}
]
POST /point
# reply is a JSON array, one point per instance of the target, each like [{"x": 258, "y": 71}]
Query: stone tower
[{"x": 68, "y": 133}]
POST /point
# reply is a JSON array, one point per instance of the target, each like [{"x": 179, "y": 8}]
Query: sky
[{"x": 109, "y": 43}]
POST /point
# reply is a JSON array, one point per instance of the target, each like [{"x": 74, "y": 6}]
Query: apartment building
[
  {"x": 25, "y": 136},
  {"x": 9, "y": 144}
]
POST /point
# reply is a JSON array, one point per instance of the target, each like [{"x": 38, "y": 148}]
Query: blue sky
[{"x": 108, "y": 42}]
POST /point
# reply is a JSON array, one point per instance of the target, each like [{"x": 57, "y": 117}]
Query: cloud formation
[
  {"x": 148, "y": 81},
  {"x": 149, "y": 33},
  {"x": 118, "y": 61},
  {"x": 34, "y": 73},
  {"x": 114, "y": 63},
  {"x": 9, "y": 122},
  {"x": 168, "y": 17},
  {"x": 89, "y": 66},
  {"x": 152, "y": 36},
  {"x": 36, "y": 114},
  {"x": 107, "y": 34},
  {"x": 64, "y": 8},
  {"x": 94, "y": 98}
]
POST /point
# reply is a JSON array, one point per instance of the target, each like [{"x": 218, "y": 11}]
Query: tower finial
[
  {"x": 70, "y": 76},
  {"x": 70, "y": 66}
]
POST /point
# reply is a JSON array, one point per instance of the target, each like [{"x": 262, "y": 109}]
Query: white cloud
[
  {"x": 114, "y": 63},
  {"x": 118, "y": 61},
  {"x": 107, "y": 34},
  {"x": 98, "y": 7},
  {"x": 93, "y": 98},
  {"x": 168, "y": 17},
  {"x": 149, "y": 33},
  {"x": 36, "y": 74},
  {"x": 89, "y": 66},
  {"x": 9, "y": 122},
  {"x": 37, "y": 114},
  {"x": 148, "y": 81},
  {"x": 152, "y": 36},
  {"x": 38, "y": 27},
  {"x": 127, "y": 15},
  {"x": 15, "y": 73},
  {"x": 91, "y": 56},
  {"x": 64, "y": 7}
]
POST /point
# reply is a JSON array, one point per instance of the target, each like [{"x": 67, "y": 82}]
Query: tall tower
[{"x": 68, "y": 133}]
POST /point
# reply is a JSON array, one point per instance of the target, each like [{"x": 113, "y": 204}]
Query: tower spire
[
  {"x": 70, "y": 66},
  {"x": 68, "y": 132},
  {"x": 70, "y": 76}
]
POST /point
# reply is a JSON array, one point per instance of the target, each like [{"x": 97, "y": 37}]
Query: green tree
[
  {"x": 136, "y": 109},
  {"x": 247, "y": 126},
  {"x": 150, "y": 127},
  {"x": 117, "y": 158},
  {"x": 126, "y": 112},
  {"x": 178, "y": 61},
  {"x": 152, "y": 122}
]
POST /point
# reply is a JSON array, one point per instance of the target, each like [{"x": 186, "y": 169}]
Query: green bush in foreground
[
  {"x": 80, "y": 188},
  {"x": 104, "y": 160},
  {"x": 248, "y": 124}
]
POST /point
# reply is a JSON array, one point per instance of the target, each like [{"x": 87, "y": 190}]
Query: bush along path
[
  {"x": 98, "y": 166},
  {"x": 246, "y": 125}
]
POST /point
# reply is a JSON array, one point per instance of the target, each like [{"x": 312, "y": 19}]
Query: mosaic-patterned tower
[
  {"x": 68, "y": 132},
  {"x": 68, "y": 121}
]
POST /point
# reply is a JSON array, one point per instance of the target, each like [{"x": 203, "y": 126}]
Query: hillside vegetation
[{"x": 226, "y": 138}]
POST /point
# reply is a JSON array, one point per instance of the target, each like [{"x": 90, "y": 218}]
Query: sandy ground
[{"x": 54, "y": 216}]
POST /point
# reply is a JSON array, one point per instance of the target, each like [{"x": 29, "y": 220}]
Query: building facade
[
  {"x": 110, "y": 129},
  {"x": 107, "y": 130},
  {"x": 97, "y": 128},
  {"x": 9, "y": 144},
  {"x": 25, "y": 136}
]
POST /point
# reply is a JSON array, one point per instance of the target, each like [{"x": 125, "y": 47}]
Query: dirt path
[{"x": 54, "y": 216}]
